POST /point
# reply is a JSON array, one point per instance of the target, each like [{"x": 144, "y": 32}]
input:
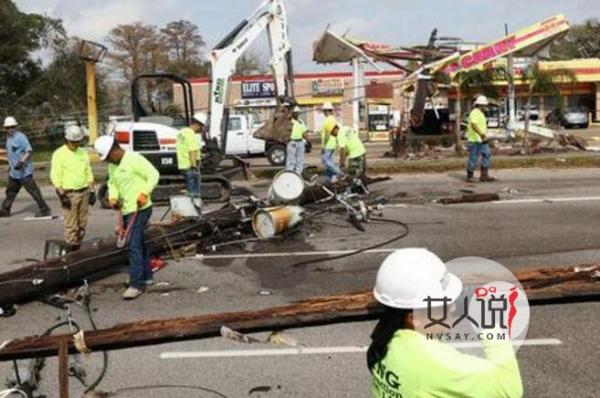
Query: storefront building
[
  {"x": 578, "y": 81},
  {"x": 257, "y": 94}
]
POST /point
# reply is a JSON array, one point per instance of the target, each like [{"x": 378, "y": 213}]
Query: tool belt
[{"x": 81, "y": 190}]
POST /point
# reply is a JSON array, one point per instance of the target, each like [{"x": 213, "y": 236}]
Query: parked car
[
  {"x": 534, "y": 113},
  {"x": 569, "y": 117}
]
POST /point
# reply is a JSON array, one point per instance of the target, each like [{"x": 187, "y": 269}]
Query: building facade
[{"x": 379, "y": 100}]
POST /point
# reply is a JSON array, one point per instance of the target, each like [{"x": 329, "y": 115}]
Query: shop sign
[
  {"x": 328, "y": 87},
  {"x": 258, "y": 89}
]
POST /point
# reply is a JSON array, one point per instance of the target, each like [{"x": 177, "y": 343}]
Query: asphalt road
[{"x": 557, "y": 229}]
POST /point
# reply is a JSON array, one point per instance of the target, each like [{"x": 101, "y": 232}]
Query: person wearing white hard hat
[
  {"x": 404, "y": 362},
  {"x": 296, "y": 146},
  {"x": 189, "y": 155},
  {"x": 131, "y": 180},
  {"x": 478, "y": 144},
  {"x": 20, "y": 173},
  {"x": 71, "y": 175}
]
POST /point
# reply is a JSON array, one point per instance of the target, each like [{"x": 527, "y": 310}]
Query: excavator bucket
[{"x": 279, "y": 128}]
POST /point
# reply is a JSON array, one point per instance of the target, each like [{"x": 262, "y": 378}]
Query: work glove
[
  {"x": 115, "y": 204},
  {"x": 142, "y": 199},
  {"x": 92, "y": 198},
  {"x": 65, "y": 202}
]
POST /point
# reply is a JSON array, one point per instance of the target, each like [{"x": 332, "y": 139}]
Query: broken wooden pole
[
  {"x": 53, "y": 275},
  {"x": 540, "y": 285},
  {"x": 470, "y": 198},
  {"x": 48, "y": 277}
]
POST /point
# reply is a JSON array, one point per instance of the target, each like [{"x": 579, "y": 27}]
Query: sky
[{"x": 394, "y": 22}]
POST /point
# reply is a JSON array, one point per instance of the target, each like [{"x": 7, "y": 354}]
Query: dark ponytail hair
[{"x": 391, "y": 321}]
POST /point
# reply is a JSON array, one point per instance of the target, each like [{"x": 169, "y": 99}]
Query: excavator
[{"x": 155, "y": 137}]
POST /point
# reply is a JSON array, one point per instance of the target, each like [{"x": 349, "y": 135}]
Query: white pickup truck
[
  {"x": 241, "y": 142},
  {"x": 156, "y": 138}
]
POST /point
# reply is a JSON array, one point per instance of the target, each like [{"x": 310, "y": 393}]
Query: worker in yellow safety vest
[
  {"x": 189, "y": 156},
  {"x": 352, "y": 149},
  {"x": 71, "y": 175},
  {"x": 478, "y": 144},
  {"x": 330, "y": 145},
  {"x": 295, "y": 146},
  {"x": 131, "y": 180},
  {"x": 406, "y": 363}
]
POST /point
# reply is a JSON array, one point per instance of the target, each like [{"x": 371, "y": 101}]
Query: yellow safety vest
[
  {"x": 71, "y": 169},
  {"x": 131, "y": 177}
]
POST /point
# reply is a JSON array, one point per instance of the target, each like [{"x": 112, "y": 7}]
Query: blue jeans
[
  {"x": 192, "y": 181},
  {"x": 295, "y": 156},
  {"x": 331, "y": 168},
  {"x": 477, "y": 150},
  {"x": 139, "y": 256}
]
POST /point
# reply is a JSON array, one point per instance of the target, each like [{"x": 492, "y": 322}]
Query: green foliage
[
  {"x": 475, "y": 82},
  {"x": 582, "y": 41}
]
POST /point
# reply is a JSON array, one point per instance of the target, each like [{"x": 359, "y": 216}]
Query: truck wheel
[
  {"x": 103, "y": 196},
  {"x": 276, "y": 155}
]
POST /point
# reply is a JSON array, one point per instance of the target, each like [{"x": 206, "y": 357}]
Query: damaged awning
[{"x": 526, "y": 42}]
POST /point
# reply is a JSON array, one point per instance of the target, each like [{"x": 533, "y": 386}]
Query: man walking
[
  {"x": 295, "y": 147},
  {"x": 20, "y": 170},
  {"x": 189, "y": 156},
  {"x": 131, "y": 180},
  {"x": 71, "y": 175},
  {"x": 478, "y": 145}
]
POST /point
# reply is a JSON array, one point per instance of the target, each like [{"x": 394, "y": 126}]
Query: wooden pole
[
  {"x": 63, "y": 368},
  {"x": 92, "y": 106},
  {"x": 540, "y": 284}
]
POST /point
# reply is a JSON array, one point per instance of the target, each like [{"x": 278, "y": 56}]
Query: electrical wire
[
  {"x": 354, "y": 253},
  {"x": 11, "y": 391},
  {"x": 163, "y": 386}
]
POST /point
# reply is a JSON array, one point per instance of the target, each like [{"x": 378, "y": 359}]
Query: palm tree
[{"x": 542, "y": 82}]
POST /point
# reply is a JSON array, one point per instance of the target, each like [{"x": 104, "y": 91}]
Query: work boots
[
  {"x": 485, "y": 177},
  {"x": 4, "y": 213},
  {"x": 470, "y": 176}
]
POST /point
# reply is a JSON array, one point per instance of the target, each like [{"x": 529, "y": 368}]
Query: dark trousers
[
  {"x": 13, "y": 188},
  {"x": 137, "y": 250}
]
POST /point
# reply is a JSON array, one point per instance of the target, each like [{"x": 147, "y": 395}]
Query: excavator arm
[{"x": 270, "y": 16}]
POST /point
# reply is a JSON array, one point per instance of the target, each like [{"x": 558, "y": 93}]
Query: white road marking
[
  {"x": 289, "y": 254},
  {"x": 314, "y": 350},
  {"x": 547, "y": 200}
]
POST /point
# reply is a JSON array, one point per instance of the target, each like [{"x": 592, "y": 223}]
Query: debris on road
[
  {"x": 103, "y": 258},
  {"x": 470, "y": 198}
]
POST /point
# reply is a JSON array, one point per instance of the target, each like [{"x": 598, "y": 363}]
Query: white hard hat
[
  {"x": 328, "y": 106},
  {"x": 103, "y": 145},
  {"x": 200, "y": 117},
  {"x": 74, "y": 133},
  {"x": 408, "y": 276},
  {"x": 296, "y": 109},
  {"x": 482, "y": 100},
  {"x": 10, "y": 122}
]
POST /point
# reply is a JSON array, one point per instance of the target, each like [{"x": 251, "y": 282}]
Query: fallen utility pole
[
  {"x": 104, "y": 258},
  {"x": 540, "y": 284}
]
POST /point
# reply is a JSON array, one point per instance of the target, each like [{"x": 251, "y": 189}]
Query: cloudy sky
[{"x": 396, "y": 22}]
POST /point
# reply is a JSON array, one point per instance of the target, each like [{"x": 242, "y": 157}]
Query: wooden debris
[
  {"x": 470, "y": 198},
  {"x": 541, "y": 285}
]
